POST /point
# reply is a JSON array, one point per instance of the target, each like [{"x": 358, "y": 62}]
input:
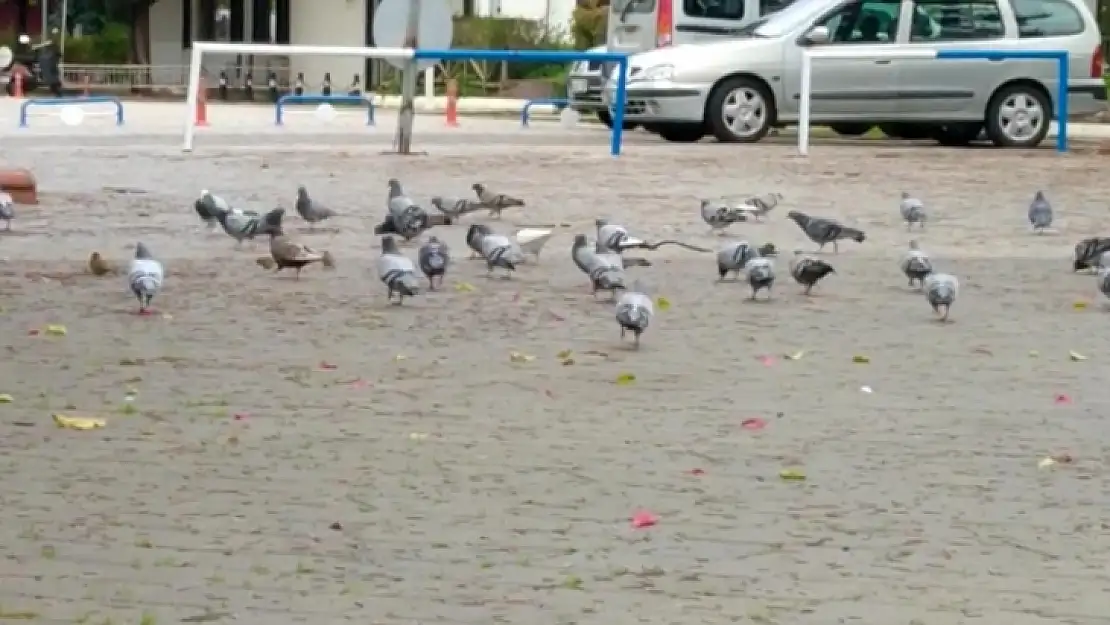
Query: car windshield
[{"x": 786, "y": 20}]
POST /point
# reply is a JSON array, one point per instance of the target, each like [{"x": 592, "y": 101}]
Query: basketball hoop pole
[{"x": 408, "y": 83}]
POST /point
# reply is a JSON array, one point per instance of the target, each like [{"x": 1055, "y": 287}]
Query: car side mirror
[{"x": 816, "y": 36}]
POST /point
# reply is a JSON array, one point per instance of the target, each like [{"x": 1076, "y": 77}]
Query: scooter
[{"x": 35, "y": 63}]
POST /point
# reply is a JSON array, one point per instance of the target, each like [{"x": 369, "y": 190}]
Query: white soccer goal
[{"x": 200, "y": 48}]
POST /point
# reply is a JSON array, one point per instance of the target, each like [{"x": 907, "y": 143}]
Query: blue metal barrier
[
  {"x": 551, "y": 56},
  {"x": 1062, "y": 72},
  {"x": 97, "y": 99},
  {"x": 279, "y": 108},
  {"x": 560, "y": 102}
]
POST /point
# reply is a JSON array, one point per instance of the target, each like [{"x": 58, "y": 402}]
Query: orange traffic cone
[
  {"x": 202, "y": 105},
  {"x": 87, "y": 82},
  {"x": 452, "y": 103},
  {"x": 17, "y": 89}
]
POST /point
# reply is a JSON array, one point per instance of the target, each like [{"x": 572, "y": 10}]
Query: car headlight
[{"x": 657, "y": 72}]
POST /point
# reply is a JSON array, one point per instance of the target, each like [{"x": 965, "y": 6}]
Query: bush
[
  {"x": 109, "y": 47},
  {"x": 590, "y": 23}
]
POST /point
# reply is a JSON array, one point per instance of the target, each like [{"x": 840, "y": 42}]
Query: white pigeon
[
  {"x": 761, "y": 275},
  {"x": 634, "y": 312},
  {"x": 397, "y": 272},
  {"x": 916, "y": 265},
  {"x": 941, "y": 290},
  {"x": 7, "y": 209},
  {"x": 144, "y": 277},
  {"x": 1104, "y": 281},
  {"x": 912, "y": 211}
]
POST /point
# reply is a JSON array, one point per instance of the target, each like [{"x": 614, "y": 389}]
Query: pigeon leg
[
  {"x": 389, "y": 295},
  {"x": 754, "y": 291},
  {"x": 836, "y": 247},
  {"x": 809, "y": 287},
  {"x": 635, "y": 340},
  {"x": 622, "y": 333},
  {"x": 299, "y": 272},
  {"x": 9, "y": 226}
]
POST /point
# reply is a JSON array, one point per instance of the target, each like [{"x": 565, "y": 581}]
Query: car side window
[
  {"x": 864, "y": 21},
  {"x": 955, "y": 20},
  {"x": 1046, "y": 18},
  {"x": 714, "y": 9}
]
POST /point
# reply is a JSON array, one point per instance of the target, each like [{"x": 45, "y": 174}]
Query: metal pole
[
  {"x": 408, "y": 83},
  {"x": 62, "y": 34},
  {"x": 804, "y": 98},
  {"x": 45, "y": 19}
]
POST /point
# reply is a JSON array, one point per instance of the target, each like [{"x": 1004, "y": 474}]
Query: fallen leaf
[
  {"x": 77, "y": 423},
  {"x": 625, "y": 379},
  {"x": 56, "y": 330},
  {"x": 1076, "y": 356},
  {"x": 464, "y": 287},
  {"x": 663, "y": 303},
  {"x": 6, "y": 399},
  {"x": 697, "y": 471},
  {"x": 863, "y": 360},
  {"x": 327, "y": 366},
  {"x": 1079, "y": 305},
  {"x": 796, "y": 475},
  {"x": 563, "y": 355},
  {"x": 795, "y": 356},
  {"x": 520, "y": 357}
]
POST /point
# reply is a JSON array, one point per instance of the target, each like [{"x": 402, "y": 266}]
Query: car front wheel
[
  {"x": 1018, "y": 116},
  {"x": 740, "y": 110}
]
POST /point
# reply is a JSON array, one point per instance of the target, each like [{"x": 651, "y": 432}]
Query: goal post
[
  {"x": 805, "y": 95},
  {"x": 200, "y": 48}
]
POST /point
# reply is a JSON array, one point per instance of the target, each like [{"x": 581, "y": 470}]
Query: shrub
[
  {"x": 590, "y": 23},
  {"x": 109, "y": 47}
]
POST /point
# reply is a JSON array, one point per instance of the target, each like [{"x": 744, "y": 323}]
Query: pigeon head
[
  {"x": 913, "y": 244},
  {"x": 273, "y": 218},
  {"x": 601, "y": 222},
  {"x": 389, "y": 245},
  {"x": 905, "y": 195},
  {"x": 437, "y": 202},
  {"x": 141, "y": 252},
  {"x": 478, "y": 187},
  {"x": 1039, "y": 197},
  {"x": 302, "y": 192},
  {"x": 476, "y": 232},
  {"x": 205, "y": 193},
  {"x": 579, "y": 241},
  {"x": 432, "y": 240},
  {"x": 797, "y": 216},
  {"x": 768, "y": 249}
]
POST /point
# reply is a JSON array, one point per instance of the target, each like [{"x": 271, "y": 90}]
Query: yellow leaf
[
  {"x": 77, "y": 423},
  {"x": 6, "y": 399},
  {"x": 792, "y": 474},
  {"x": 625, "y": 379},
  {"x": 464, "y": 287},
  {"x": 418, "y": 436},
  {"x": 520, "y": 357},
  {"x": 863, "y": 360},
  {"x": 1079, "y": 305},
  {"x": 1076, "y": 356},
  {"x": 563, "y": 355},
  {"x": 663, "y": 303},
  {"x": 56, "y": 330}
]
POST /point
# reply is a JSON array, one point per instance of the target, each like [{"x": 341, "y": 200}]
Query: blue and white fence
[
  {"x": 356, "y": 100},
  {"x": 201, "y": 48},
  {"x": 71, "y": 112},
  {"x": 847, "y": 53},
  {"x": 524, "y": 112}
]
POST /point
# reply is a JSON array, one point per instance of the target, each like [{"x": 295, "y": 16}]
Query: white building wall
[
  {"x": 327, "y": 22},
  {"x": 556, "y": 14}
]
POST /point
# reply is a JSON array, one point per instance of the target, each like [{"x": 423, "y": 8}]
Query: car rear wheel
[
  {"x": 740, "y": 110},
  {"x": 607, "y": 119},
  {"x": 850, "y": 130},
  {"x": 1018, "y": 116},
  {"x": 681, "y": 133}
]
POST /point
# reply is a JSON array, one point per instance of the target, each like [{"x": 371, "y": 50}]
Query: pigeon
[
  {"x": 397, "y": 272},
  {"x": 474, "y": 235},
  {"x": 1104, "y": 260},
  {"x": 309, "y": 210},
  {"x": 290, "y": 254},
  {"x": 494, "y": 202},
  {"x": 1089, "y": 251},
  {"x": 455, "y": 207},
  {"x": 808, "y": 271},
  {"x": 209, "y": 206},
  {"x": 243, "y": 225},
  {"x": 940, "y": 290},
  {"x": 7, "y": 209},
  {"x": 99, "y": 266},
  {"x": 605, "y": 269},
  {"x": 734, "y": 257},
  {"x": 916, "y": 265},
  {"x": 823, "y": 231},
  {"x": 720, "y": 216},
  {"x": 1040, "y": 213},
  {"x": 761, "y": 275},
  {"x": 615, "y": 237},
  {"x": 144, "y": 277},
  {"x": 405, "y": 217},
  {"x": 501, "y": 251},
  {"x": 634, "y": 312},
  {"x": 1104, "y": 281},
  {"x": 759, "y": 206},
  {"x": 433, "y": 258},
  {"x": 912, "y": 210}
]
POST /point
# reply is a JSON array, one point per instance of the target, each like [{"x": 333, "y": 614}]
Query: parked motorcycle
[{"x": 38, "y": 64}]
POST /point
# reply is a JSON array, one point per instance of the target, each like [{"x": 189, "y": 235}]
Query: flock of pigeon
[{"x": 603, "y": 261}]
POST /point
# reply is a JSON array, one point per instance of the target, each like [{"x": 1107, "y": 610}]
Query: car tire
[
  {"x": 607, "y": 119},
  {"x": 1028, "y": 96},
  {"x": 758, "y": 97},
  {"x": 909, "y": 132},
  {"x": 682, "y": 133},
  {"x": 957, "y": 135},
  {"x": 850, "y": 130}
]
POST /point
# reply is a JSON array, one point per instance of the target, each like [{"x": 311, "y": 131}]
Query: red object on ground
[
  {"x": 753, "y": 424},
  {"x": 452, "y": 104},
  {"x": 644, "y": 519},
  {"x": 327, "y": 366},
  {"x": 1062, "y": 399},
  {"x": 767, "y": 360},
  {"x": 202, "y": 105},
  {"x": 240, "y": 416},
  {"x": 697, "y": 471}
]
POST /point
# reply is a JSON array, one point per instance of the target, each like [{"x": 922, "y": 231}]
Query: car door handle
[{"x": 882, "y": 61}]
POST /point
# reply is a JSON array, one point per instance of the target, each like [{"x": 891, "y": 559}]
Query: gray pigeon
[
  {"x": 7, "y": 209},
  {"x": 720, "y": 216},
  {"x": 760, "y": 205},
  {"x": 808, "y": 271},
  {"x": 209, "y": 206},
  {"x": 1040, "y": 213},
  {"x": 1104, "y": 281},
  {"x": 733, "y": 257},
  {"x": 616, "y": 238},
  {"x": 1088, "y": 252},
  {"x": 433, "y": 259},
  {"x": 246, "y": 225},
  {"x": 605, "y": 269},
  {"x": 912, "y": 210},
  {"x": 397, "y": 272},
  {"x": 309, "y": 210},
  {"x": 941, "y": 290},
  {"x": 761, "y": 275},
  {"x": 824, "y": 231},
  {"x": 474, "y": 235},
  {"x": 404, "y": 216},
  {"x": 144, "y": 277},
  {"x": 634, "y": 312},
  {"x": 455, "y": 207},
  {"x": 916, "y": 265},
  {"x": 501, "y": 251},
  {"x": 1104, "y": 260},
  {"x": 494, "y": 202}
]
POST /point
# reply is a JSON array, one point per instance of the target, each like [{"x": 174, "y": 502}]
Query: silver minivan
[
  {"x": 738, "y": 90},
  {"x": 641, "y": 25}
]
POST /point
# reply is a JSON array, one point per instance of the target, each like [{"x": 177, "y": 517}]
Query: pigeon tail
[
  {"x": 141, "y": 252},
  {"x": 851, "y": 233}
]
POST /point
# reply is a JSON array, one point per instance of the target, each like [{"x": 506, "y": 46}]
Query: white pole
[
  {"x": 191, "y": 97},
  {"x": 430, "y": 83},
  {"x": 62, "y": 35},
  {"x": 804, "y": 96}
]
